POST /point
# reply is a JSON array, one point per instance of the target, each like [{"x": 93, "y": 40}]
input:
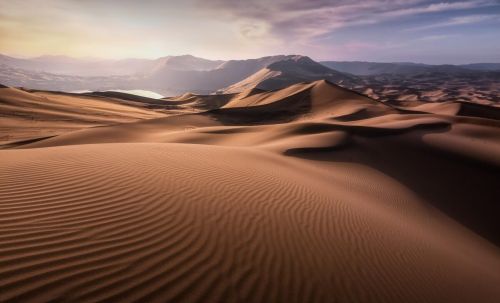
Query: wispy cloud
[
  {"x": 304, "y": 20},
  {"x": 462, "y": 20},
  {"x": 441, "y": 7},
  {"x": 437, "y": 37}
]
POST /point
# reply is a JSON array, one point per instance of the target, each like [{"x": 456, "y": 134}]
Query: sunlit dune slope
[{"x": 27, "y": 115}]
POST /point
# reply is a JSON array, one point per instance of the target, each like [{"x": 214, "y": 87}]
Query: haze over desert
[{"x": 320, "y": 171}]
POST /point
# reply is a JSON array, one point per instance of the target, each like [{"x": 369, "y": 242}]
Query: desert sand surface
[
  {"x": 472, "y": 87},
  {"x": 310, "y": 193},
  {"x": 27, "y": 114}
]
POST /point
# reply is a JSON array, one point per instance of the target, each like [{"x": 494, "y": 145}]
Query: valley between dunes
[{"x": 310, "y": 193}]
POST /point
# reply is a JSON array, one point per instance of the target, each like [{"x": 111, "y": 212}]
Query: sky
[{"x": 435, "y": 32}]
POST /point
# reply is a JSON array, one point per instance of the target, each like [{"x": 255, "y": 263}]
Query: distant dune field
[{"x": 310, "y": 193}]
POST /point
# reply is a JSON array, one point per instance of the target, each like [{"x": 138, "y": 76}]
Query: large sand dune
[
  {"x": 311, "y": 193},
  {"x": 33, "y": 114}
]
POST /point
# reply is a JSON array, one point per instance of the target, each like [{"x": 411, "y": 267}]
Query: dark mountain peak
[{"x": 299, "y": 62}]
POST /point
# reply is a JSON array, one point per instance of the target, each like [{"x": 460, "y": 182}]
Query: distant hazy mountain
[
  {"x": 285, "y": 70},
  {"x": 173, "y": 75},
  {"x": 65, "y": 73},
  {"x": 168, "y": 75},
  {"x": 79, "y": 67},
  {"x": 199, "y": 78},
  {"x": 289, "y": 71},
  {"x": 17, "y": 77},
  {"x": 14, "y": 62},
  {"x": 244, "y": 68},
  {"x": 155, "y": 68},
  {"x": 483, "y": 66},
  {"x": 361, "y": 68},
  {"x": 181, "y": 63}
]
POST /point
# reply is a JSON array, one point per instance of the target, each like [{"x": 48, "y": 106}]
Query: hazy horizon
[
  {"x": 421, "y": 31},
  {"x": 228, "y": 59}
]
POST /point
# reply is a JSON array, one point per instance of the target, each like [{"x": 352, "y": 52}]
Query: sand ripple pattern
[{"x": 185, "y": 223}]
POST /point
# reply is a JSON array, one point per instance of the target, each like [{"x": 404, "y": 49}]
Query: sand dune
[
  {"x": 311, "y": 193},
  {"x": 196, "y": 102},
  {"x": 28, "y": 115}
]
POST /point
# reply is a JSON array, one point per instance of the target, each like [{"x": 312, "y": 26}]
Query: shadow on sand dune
[{"x": 447, "y": 180}]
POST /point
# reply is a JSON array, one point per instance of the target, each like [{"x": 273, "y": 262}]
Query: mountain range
[
  {"x": 169, "y": 75},
  {"x": 175, "y": 75},
  {"x": 361, "y": 68}
]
